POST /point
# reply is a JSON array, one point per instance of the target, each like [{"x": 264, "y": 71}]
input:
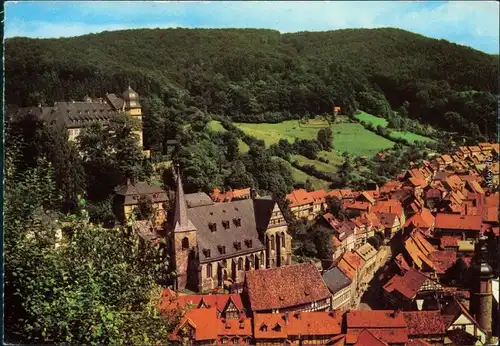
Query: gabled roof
[
  {"x": 234, "y": 327},
  {"x": 282, "y": 287},
  {"x": 425, "y": 323},
  {"x": 386, "y": 325},
  {"x": 299, "y": 197},
  {"x": 205, "y": 216},
  {"x": 389, "y": 206},
  {"x": 366, "y": 338},
  {"x": 263, "y": 211},
  {"x": 202, "y": 321},
  {"x": 368, "y": 197},
  {"x": 282, "y": 326},
  {"x": 198, "y": 199},
  {"x": 318, "y": 196},
  {"x": 387, "y": 219},
  {"x": 133, "y": 191},
  {"x": 422, "y": 219},
  {"x": 458, "y": 222},
  {"x": 407, "y": 284},
  {"x": 453, "y": 310},
  {"x": 170, "y": 300}
]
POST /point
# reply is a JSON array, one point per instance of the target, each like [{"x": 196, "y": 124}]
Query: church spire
[{"x": 181, "y": 220}]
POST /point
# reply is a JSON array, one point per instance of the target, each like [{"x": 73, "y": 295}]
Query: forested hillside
[{"x": 261, "y": 75}]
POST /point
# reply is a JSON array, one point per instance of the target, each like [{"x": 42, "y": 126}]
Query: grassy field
[
  {"x": 216, "y": 126},
  {"x": 320, "y": 166},
  {"x": 409, "y": 136},
  {"x": 350, "y": 137},
  {"x": 357, "y": 140},
  {"x": 368, "y": 118},
  {"x": 301, "y": 177}
]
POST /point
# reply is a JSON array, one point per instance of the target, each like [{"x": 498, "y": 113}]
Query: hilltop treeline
[{"x": 261, "y": 75}]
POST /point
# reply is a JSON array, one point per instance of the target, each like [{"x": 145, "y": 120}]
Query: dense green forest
[{"x": 255, "y": 75}]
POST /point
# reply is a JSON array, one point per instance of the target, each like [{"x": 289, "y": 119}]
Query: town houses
[{"x": 423, "y": 239}]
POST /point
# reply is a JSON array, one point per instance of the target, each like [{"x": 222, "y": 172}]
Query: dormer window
[
  {"x": 237, "y": 245},
  {"x": 222, "y": 249},
  {"x": 277, "y": 327},
  {"x": 206, "y": 252},
  {"x": 212, "y": 226},
  {"x": 225, "y": 224},
  {"x": 242, "y": 324},
  {"x": 248, "y": 243},
  {"x": 136, "y": 197},
  {"x": 263, "y": 327},
  {"x": 237, "y": 222},
  {"x": 155, "y": 195}
]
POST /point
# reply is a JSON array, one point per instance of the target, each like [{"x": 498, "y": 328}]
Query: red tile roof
[
  {"x": 299, "y": 197},
  {"x": 391, "y": 186},
  {"x": 386, "y": 325},
  {"x": 234, "y": 327},
  {"x": 418, "y": 342},
  {"x": 375, "y": 319},
  {"x": 491, "y": 214},
  {"x": 318, "y": 196},
  {"x": 281, "y": 326},
  {"x": 449, "y": 241},
  {"x": 366, "y": 338},
  {"x": 347, "y": 269},
  {"x": 172, "y": 301},
  {"x": 458, "y": 222},
  {"x": 424, "y": 323},
  {"x": 284, "y": 287},
  {"x": 358, "y": 205},
  {"x": 202, "y": 321},
  {"x": 335, "y": 193},
  {"x": 408, "y": 284},
  {"x": 390, "y": 206},
  {"x": 423, "y": 219},
  {"x": 218, "y": 196},
  {"x": 353, "y": 259},
  {"x": 443, "y": 260},
  {"x": 418, "y": 182}
]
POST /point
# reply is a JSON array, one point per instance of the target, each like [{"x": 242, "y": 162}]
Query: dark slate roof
[
  {"x": 79, "y": 114},
  {"x": 202, "y": 216},
  {"x": 114, "y": 101},
  {"x": 132, "y": 192},
  {"x": 197, "y": 199},
  {"x": 336, "y": 280},
  {"x": 263, "y": 209}
]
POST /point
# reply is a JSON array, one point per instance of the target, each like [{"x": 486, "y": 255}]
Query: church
[
  {"x": 75, "y": 115},
  {"x": 214, "y": 244}
]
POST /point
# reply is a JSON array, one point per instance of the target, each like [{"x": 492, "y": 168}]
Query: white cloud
[{"x": 471, "y": 23}]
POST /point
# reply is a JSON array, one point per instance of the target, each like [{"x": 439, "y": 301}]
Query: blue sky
[{"x": 471, "y": 23}]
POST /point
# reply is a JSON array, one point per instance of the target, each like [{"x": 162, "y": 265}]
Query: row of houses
[{"x": 223, "y": 319}]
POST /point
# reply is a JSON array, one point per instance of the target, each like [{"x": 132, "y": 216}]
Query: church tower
[
  {"x": 132, "y": 107},
  {"x": 183, "y": 238},
  {"x": 481, "y": 290}
]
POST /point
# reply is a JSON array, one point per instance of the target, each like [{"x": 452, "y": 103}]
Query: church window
[
  {"x": 222, "y": 249},
  {"x": 240, "y": 263},
  {"x": 185, "y": 243},
  {"x": 261, "y": 257},
  {"x": 248, "y": 243},
  {"x": 209, "y": 270},
  {"x": 206, "y": 252},
  {"x": 273, "y": 245}
]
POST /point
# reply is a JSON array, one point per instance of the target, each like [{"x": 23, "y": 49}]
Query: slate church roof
[{"x": 229, "y": 225}]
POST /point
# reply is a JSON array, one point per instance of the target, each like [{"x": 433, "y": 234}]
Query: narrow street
[{"x": 371, "y": 297}]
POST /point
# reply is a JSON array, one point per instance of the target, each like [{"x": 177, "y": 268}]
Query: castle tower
[
  {"x": 481, "y": 291},
  {"x": 132, "y": 107},
  {"x": 184, "y": 242}
]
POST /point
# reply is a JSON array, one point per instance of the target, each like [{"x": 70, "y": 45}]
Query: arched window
[
  {"x": 262, "y": 258},
  {"x": 240, "y": 263},
  {"x": 185, "y": 243},
  {"x": 273, "y": 245},
  {"x": 209, "y": 270}
]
